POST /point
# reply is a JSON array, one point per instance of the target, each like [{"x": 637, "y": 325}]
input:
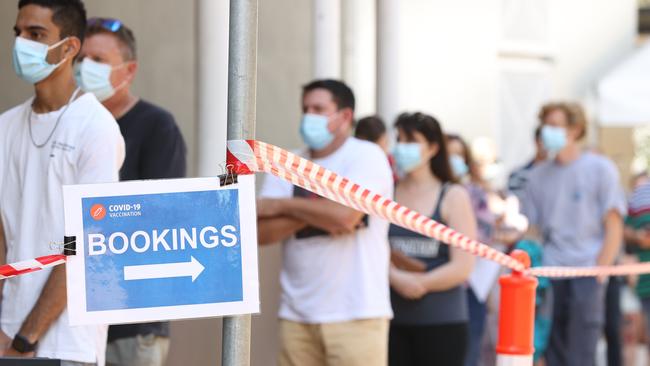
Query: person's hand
[
  {"x": 643, "y": 238},
  {"x": 602, "y": 279},
  {"x": 5, "y": 342},
  {"x": 409, "y": 285},
  {"x": 10, "y": 352},
  {"x": 269, "y": 207},
  {"x": 629, "y": 234}
]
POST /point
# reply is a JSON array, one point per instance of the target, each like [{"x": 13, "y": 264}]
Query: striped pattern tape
[
  {"x": 248, "y": 157},
  {"x": 31, "y": 265},
  {"x": 301, "y": 172},
  {"x": 255, "y": 156}
]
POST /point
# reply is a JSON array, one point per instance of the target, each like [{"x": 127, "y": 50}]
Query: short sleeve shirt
[
  {"x": 568, "y": 204},
  {"x": 332, "y": 279},
  {"x": 86, "y": 147}
]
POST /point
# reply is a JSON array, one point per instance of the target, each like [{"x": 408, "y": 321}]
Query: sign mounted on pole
[{"x": 161, "y": 250}]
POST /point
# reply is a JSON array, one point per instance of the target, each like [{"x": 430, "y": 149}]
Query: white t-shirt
[
  {"x": 87, "y": 147},
  {"x": 332, "y": 279}
]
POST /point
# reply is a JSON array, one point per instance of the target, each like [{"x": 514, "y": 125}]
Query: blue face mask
[
  {"x": 95, "y": 77},
  {"x": 408, "y": 156},
  {"x": 30, "y": 59},
  {"x": 458, "y": 165},
  {"x": 553, "y": 139},
  {"x": 313, "y": 129}
]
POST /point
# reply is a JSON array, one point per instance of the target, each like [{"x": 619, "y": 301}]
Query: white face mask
[
  {"x": 95, "y": 77},
  {"x": 30, "y": 59}
]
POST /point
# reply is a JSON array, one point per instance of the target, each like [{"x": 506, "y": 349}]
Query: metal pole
[{"x": 242, "y": 89}]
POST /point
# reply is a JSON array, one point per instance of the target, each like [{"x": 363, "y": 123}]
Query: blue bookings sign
[{"x": 156, "y": 250}]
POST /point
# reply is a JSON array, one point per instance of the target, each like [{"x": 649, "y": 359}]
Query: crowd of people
[
  {"x": 429, "y": 303},
  {"x": 356, "y": 289},
  {"x": 359, "y": 291}
]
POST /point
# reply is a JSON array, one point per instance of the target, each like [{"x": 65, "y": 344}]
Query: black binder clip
[
  {"x": 69, "y": 245},
  {"x": 230, "y": 177}
]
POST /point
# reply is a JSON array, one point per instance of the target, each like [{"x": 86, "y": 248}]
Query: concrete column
[
  {"x": 326, "y": 44},
  {"x": 359, "y": 52},
  {"x": 212, "y": 85},
  {"x": 388, "y": 59}
]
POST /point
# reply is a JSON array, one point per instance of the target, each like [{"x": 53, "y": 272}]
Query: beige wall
[
  {"x": 283, "y": 66},
  {"x": 618, "y": 144}
]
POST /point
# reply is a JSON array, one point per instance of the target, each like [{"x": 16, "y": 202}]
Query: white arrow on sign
[{"x": 193, "y": 269}]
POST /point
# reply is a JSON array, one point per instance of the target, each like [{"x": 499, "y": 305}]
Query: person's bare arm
[
  {"x": 638, "y": 237},
  {"x": 3, "y": 254},
  {"x": 460, "y": 217},
  {"x": 324, "y": 214},
  {"x": 272, "y": 226},
  {"x": 48, "y": 308},
  {"x": 4, "y": 339},
  {"x": 277, "y": 229},
  {"x": 613, "y": 223}
]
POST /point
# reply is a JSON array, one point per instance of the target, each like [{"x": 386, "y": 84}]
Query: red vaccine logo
[{"x": 98, "y": 211}]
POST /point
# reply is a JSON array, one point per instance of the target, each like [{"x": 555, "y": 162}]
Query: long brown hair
[
  {"x": 468, "y": 157},
  {"x": 429, "y": 127}
]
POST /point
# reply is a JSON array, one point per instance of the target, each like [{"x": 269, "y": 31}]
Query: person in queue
[
  {"x": 575, "y": 205},
  {"x": 335, "y": 305},
  {"x": 60, "y": 136},
  {"x": 430, "y": 324},
  {"x": 155, "y": 149}
]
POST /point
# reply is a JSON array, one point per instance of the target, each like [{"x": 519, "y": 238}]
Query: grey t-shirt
[{"x": 568, "y": 203}]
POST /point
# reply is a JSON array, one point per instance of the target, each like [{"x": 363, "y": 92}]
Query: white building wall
[
  {"x": 588, "y": 38},
  {"x": 449, "y": 63}
]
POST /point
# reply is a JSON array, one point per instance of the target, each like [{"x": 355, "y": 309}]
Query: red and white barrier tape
[
  {"x": 568, "y": 272},
  {"x": 31, "y": 265},
  {"x": 248, "y": 157},
  {"x": 251, "y": 156}
]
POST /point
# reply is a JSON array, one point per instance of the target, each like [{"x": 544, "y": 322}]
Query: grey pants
[
  {"x": 149, "y": 350},
  {"x": 578, "y": 317},
  {"x": 74, "y": 363}
]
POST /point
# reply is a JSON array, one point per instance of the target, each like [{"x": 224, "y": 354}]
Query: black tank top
[{"x": 441, "y": 307}]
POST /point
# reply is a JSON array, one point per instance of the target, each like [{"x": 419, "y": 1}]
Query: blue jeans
[
  {"x": 477, "y": 313},
  {"x": 578, "y": 317}
]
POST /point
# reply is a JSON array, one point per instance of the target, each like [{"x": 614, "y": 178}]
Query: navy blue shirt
[
  {"x": 441, "y": 307},
  {"x": 155, "y": 149}
]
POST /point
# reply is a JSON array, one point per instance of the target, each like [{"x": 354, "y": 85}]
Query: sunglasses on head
[{"x": 112, "y": 25}]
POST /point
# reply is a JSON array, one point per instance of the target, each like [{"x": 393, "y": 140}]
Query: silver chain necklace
[{"x": 29, "y": 120}]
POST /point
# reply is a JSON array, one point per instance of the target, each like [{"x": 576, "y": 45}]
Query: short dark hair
[
  {"x": 68, "y": 15},
  {"x": 430, "y": 128},
  {"x": 370, "y": 128},
  {"x": 123, "y": 34},
  {"x": 341, "y": 93}
]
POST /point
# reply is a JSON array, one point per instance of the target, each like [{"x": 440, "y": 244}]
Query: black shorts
[{"x": 415, "y": 345}]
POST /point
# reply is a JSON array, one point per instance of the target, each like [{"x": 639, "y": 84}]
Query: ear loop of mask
[
  {"x": 125, "y": 82},
  {"x": 57, "y": 44}
]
